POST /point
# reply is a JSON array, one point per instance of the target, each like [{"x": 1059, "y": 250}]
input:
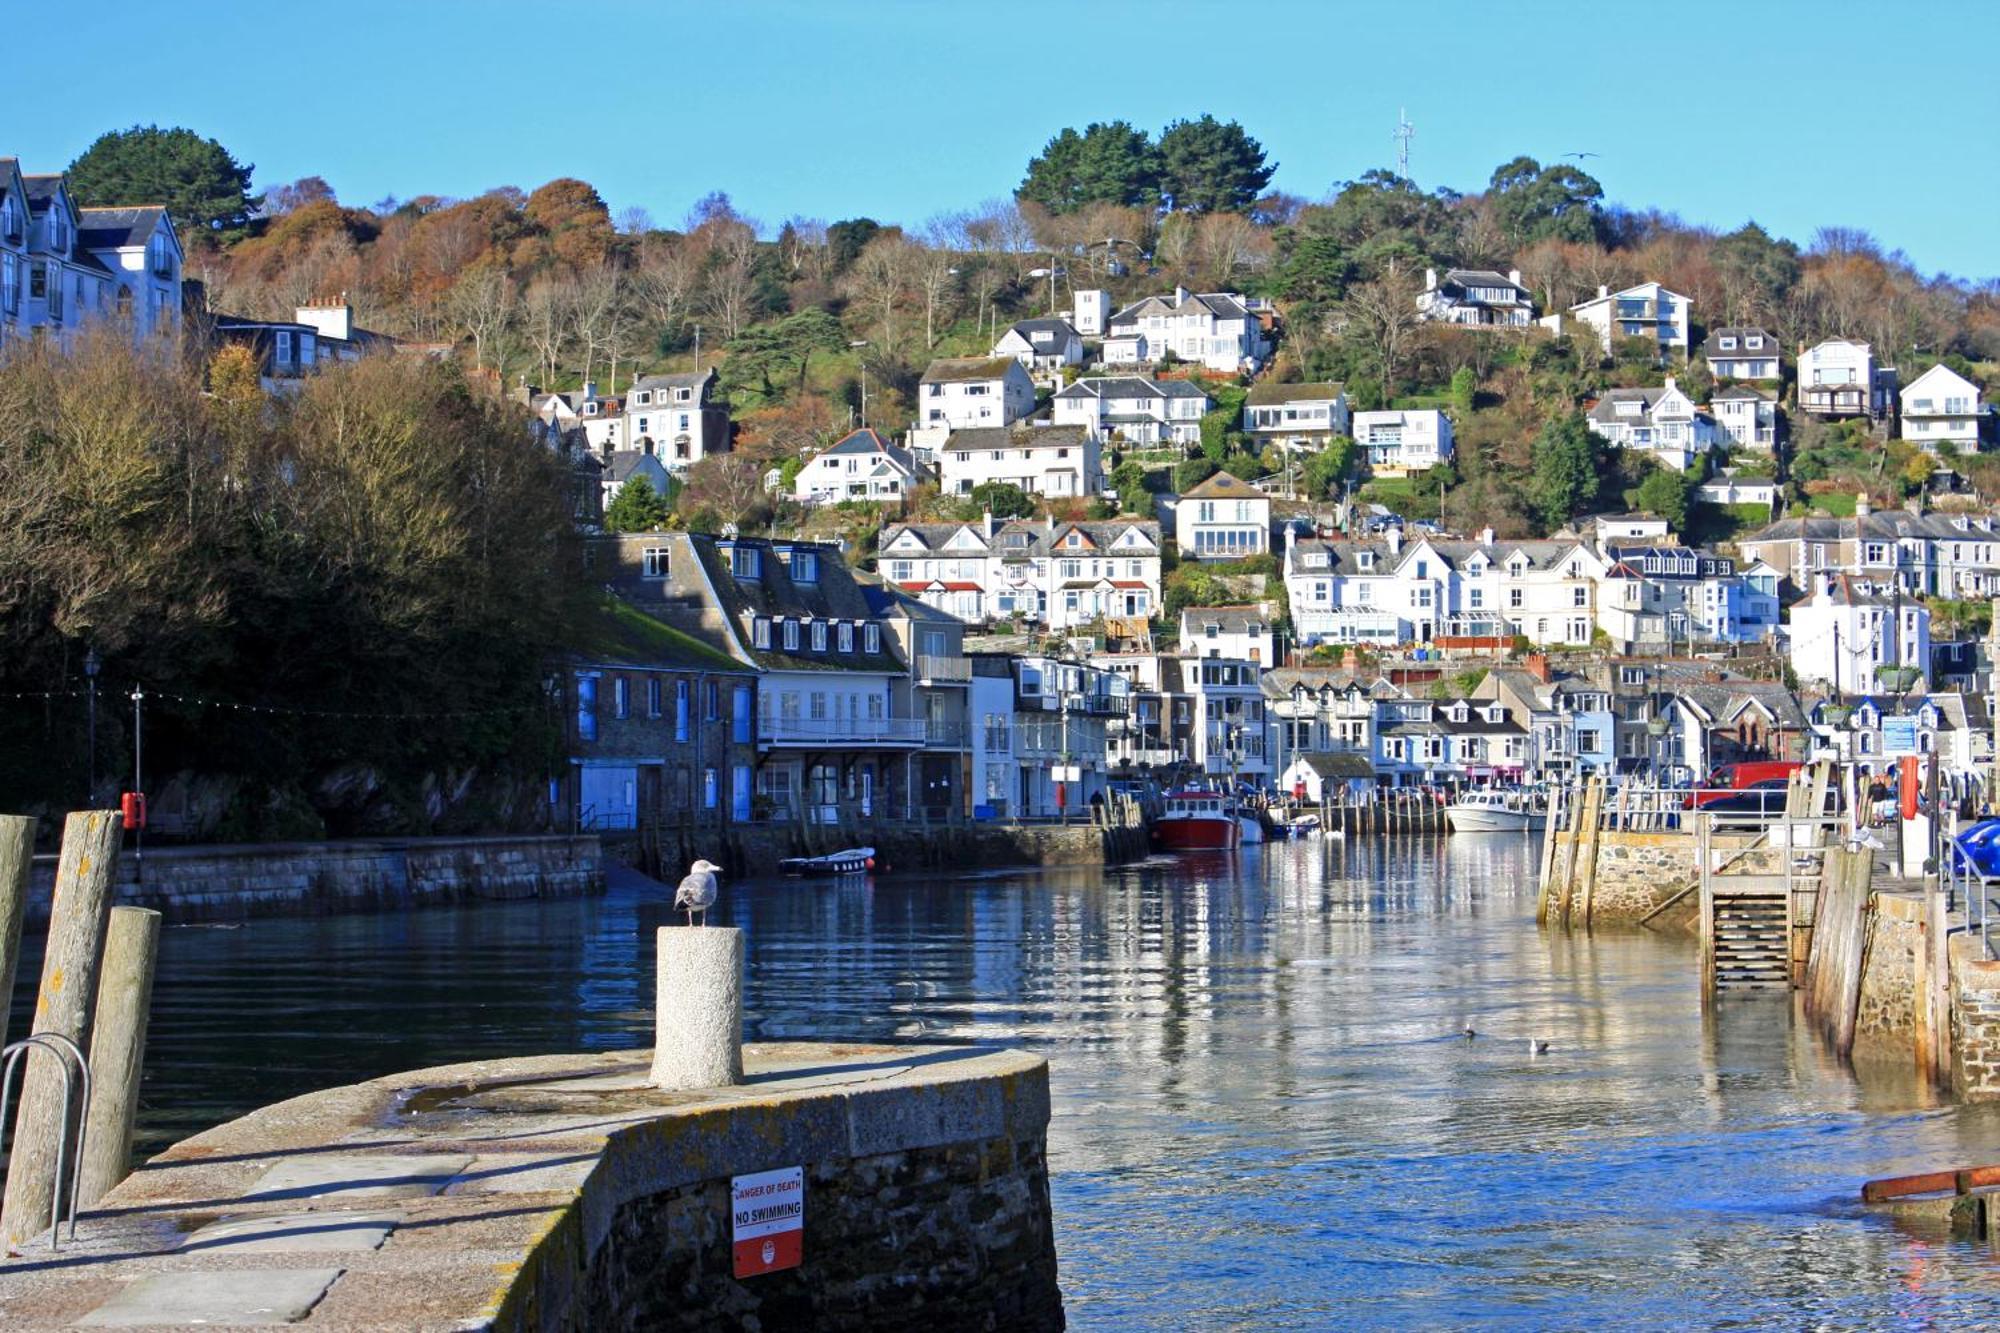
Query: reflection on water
[{"x": 1266, "y": 1113}]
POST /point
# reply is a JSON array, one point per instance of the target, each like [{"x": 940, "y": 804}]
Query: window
[
  {"x": 652, "y": 696},
  {"x": 1631, "y": 675},
  {"x": 653, "y": 562},
  {"x": 745, "y": 562},
  {"x": 621, "y": 697},
  {"x": 872, "y": 638},
  {"x": 709, "y": 788},
  {"x": 586, "y": 708},
  {"x": 791, "y": 636},
  {"x": 819, "y": 636},
  {"x": 739, "y": 714},
  {"x": 805, "y": 567},
  {"x": 844, "y": 640},
  {"x": 711, "y": 702},
  {"x": 760, "y": 633},
  {"x": 1579, "y": 597},
  {"x": 816, "y": 708},
  {"x": 1475, "y": 598},
  {"x": 1513, "y": 599}
]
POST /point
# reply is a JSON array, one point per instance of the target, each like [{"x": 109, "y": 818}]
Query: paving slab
[
  {"x": 230, "y": 1296},
  {"x": 357, "y": 1176},
  {"x": 332, "y": 1231}
]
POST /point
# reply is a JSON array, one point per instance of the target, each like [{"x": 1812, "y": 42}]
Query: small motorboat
[
  {"x": 853, "y": 861},
  {"x": 1196, "y": 821},
  {"x": 1976, "y": 850},
  {"x": 1491, "y": 811},
  {"x": 1299, "y": 825}
]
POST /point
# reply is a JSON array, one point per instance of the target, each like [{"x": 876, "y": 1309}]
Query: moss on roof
[{"x": 618, "y": 632}]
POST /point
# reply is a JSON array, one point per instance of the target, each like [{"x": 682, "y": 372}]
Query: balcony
[
  {"x": 821, "y": 733},
  {"x": 945, "y": 734},
  {"x": 943, "y": 670}
]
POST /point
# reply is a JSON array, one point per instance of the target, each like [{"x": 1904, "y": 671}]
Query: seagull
[
  {"x": 1537, "y": 1046},
  {"x": 1580, "y": 156},
  {"x": 697, "y": 891},
  {"x": 1469, "y": 1033}
]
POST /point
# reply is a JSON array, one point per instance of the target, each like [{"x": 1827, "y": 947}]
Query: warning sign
[{"x": 767, "y": 1220}]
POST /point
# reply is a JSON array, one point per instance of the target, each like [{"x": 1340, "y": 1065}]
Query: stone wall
[
  {"x": 237, "y": 881},
  {"x": 1975, "y": 1022},
  {"x": 1886, "y": 1008}
]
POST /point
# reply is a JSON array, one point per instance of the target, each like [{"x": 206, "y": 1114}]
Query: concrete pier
[{"x": 565, "y": 1193}]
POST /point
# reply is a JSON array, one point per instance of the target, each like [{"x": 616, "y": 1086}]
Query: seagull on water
[
  {"x": 697, "y": 891},
  {"x": 1538, "y": 1046}
]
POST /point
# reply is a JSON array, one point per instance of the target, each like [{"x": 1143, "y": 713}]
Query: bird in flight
[{"x": 1580, "y": 156}]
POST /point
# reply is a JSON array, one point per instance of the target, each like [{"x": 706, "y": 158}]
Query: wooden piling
[
  {"x": 77, "y": 918},
  {"x": 118, "y": 1048},
  {"x": 17, "y": 852},
  {"x": 1595, "y": 798}
]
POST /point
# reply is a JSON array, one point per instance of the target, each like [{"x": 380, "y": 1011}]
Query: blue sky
[{"x": 1800, "y": 115}]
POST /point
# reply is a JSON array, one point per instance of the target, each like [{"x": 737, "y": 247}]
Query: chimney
[
  {"x": 1430, "y": 279},
  {"x": 1350, "y": 660},
  {"x": 987, "y": 523},
  {"x": 1538, "y": 666},
  {"x": 1180, "y": 294},
  {"x": 1514, "y": 276},
  {"x": 1862, "y": 509},
  {"x": 1486, "y": 536},
  {"x": 1670, "y": 381},
  {"x": 1395, "y": 534},
  {"x": 1602, "y": 291},
  {"x": 589, "y": 390}
]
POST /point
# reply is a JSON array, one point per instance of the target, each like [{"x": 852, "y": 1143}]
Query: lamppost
[
  {"x": 92, "y": 664},
  {"x": 139, "y": 780}
]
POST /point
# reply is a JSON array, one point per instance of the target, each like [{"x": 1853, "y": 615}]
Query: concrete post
[
  {"x": 77, "y": 917},
  {"x": 17, "y": 851},
  {"x": 698, "y": 1013},
  {"x": 118, "y": 1048}
]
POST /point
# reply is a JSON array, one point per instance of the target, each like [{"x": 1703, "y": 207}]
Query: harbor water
[{"x": 1267, "y": 1113}]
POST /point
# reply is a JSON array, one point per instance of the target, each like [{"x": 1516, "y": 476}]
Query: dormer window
[
  {"x": 643, "y": 398},
  {"x": 760, "y": 633},
  {"x": 845, "y": 638},
  {"x": 819, "y": 636},
  {"x": 805, "y": 567},
  {"x": 791, "y": 634},
  {"x": 1754, "y": 341},
  {"x": 872, "y": 638},
  {"x": 746, "y": 562},
  {"x": 1728, "y": 343}
]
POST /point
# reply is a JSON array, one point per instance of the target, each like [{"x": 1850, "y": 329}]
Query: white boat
[
  {"x": 853, "y": 861},
  {"x": 1490, "y": 811}
]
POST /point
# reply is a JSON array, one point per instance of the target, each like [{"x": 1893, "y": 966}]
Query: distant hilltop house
[
  {"x": 63, "y": 266},
  {"x": 1941, "y": 406},
  {"x": 1296, "y": 416},
  {"x": 1647, "y": 311},
  {"x": 1476, "y": 298},
  {"x": 860, "y": 466},
  {"x": 1742, "y": 352},
  {"x": 1217, "y": 330},
  {"x": 1398, "y": 442},
  {"x": 320, "y": 335},
  {"x": 1664, "y": 422},
  {"x": 1839, "y": 378},
  {"x": 1042, "y": 344},
  {"x": 1135, "y": 409}
]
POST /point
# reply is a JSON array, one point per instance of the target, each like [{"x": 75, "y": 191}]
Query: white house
[
  {"x": 1295, "y": 415},
  {"x": 1242, "y": 633},
  {"x": 1476, "y": 298},
  {"x": 1042, "y": 344},
  {"x": 62, "y": 266},
  {"x": 1647, "y": 311},
  {"x": 1212, "y": 329},
  {"x": 1941, "y": 406},
  {"x": 860, "y": 466},
  {"x": 1730, "y": 489},
  {"x": 1090, "y": 312},
  {"x": 1850, "y": 629},
  {"x": 1041, "y": 460},
  {"x": 1745, "y": 416},
  {"x": 1631, "y": 528},
  {"x": 1839, "y": 378},
  {"x": 1063, "y": 574},
  {"x": 1663, "y": 422},
  {"x": 1397, "y": 443},
  {"x": 142, "y": 251},
  {"x": 1138, "y": 410},
  {"x": 1223, "y": 518},
  {"x": 962, "y": 391},
  {"x": 676, "y": 417},
  {"x": 1742, "y": 352}
]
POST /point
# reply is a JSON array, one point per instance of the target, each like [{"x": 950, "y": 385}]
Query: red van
[{"x": 1726, "y": 778}]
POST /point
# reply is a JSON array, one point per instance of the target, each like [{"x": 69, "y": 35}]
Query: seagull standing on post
[{"x": 697, "y": 891}]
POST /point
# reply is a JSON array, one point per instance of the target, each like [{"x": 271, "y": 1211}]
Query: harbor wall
[{"x": 229, "y": 882}]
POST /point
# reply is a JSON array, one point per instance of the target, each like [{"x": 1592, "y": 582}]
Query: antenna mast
[{"x": 1404, "y": 132}]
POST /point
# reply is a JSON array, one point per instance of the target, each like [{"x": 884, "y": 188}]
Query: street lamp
[
  {"x": 92, "y": 664},
  {"x": 1051, "y": 273}
]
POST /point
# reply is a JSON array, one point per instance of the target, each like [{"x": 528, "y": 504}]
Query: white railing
[
  {"x": 946, "y": 669},
  {"x": 836, "y": 731}
]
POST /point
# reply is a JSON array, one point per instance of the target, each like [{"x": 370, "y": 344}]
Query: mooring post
[
  {"x": 17, "y": 854},
  {"x": 63, "y": 1005},
  {"x": 698, "y": 1008},
  {"x": 118, "y": 1048}
]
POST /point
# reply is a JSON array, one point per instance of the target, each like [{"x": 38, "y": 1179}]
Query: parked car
[{"x": 1725, "y": 779}]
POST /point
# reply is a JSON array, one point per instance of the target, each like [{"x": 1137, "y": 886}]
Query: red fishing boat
[{"x": 1196, "y": 821}]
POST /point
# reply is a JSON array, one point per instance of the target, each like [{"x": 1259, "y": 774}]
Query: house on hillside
[
  {"x": 1647, "y": 311},
  {"x": 1941, "y": 406},
  {"x": 680, "y": 418},
  {"x": 1850, "y": 629},
  {"x": 1839, "y": 378},
  {"x": 1663, "y": 422},
  {"x": 1223, "y": 518},
  {"x": 1062, "y": 574},
  {"x": 1476, "y": 298},
  {"x": 143, "y": 254},
  {"x": 1745, "y": 416},
  {"x": 1396, "y": 442},
  {"x": 1213, "y": 329},
  {"x": 1041, "y": 460},
  {"x": 1134, "y": 409},
  {"x": 1742, "y": 352},
  {"x": 622, "y": 465},
  {"x": 1295, "y": 416},
  {"x": 1243, "y": 633},
  {"x": 967, "y": 391},
  {"x": 1042, "y": 344},
  {"x": 859, "y": 466}
]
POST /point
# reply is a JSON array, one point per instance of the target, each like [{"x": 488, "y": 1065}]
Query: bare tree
[
  {"x": 634, "y": 220},
  {"x": 729, "y": 285},
  {"x": 879, "y": 281},
  {"x": 937, "y": 274},
  {"x": 664, "y": 282},
  {"x": 546, "y": 323},
  {"x": 806, "y": 252},
  {"x": 598, "y": 311},
  {"x": 482, "y": 303},
  {"x": 1383, "y": 314}
]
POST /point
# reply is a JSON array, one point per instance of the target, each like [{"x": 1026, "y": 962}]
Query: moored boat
[
  {"x": 1196, "y": 821},
  {"x": 1490, "y": 811},
  {"x": 853, "y": 861}
]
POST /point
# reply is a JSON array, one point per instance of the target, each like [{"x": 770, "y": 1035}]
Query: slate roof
[
  {"x": 1044, "y": 541},
  {"x": 867, "y": 441},
  {"x": 118, "y": 228},
  {"x": 834, "y": 596},
  {"x": 1227, "y": 619},
  {"x": 41, "y": 188},
  {"x": 1462, "y": 278},
  {"x": 1713, "y": 347},
  {"x": 1340, "y": 766},
  {"x": 1722, "y": 703},
  {"x": 622, "y": 463},
  {"x": 1027, "y": 328},
  {"x": 1131, "y": 386},
  {"x": 1219, "y": 304},
  {"x": 1606, "y": 408},
  {"x": 686, "y": 379},
  {"x": 1018, "y": 436},
  {"x": 1889, "y": 525},
  {"x": 968, "y": 369},
  {"x": 1742, "y": 391},
  {"x": 1224, "y": 486},
  {"x": 1455, "y": 554},
  {"x": 616, "y": 633},
  {"x": 1264, "y": 393}
]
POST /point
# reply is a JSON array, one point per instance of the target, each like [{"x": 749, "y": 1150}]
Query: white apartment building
[
  {"x": 1042, "y": 344},
  {"x": 1476, "y": 298},
  {"x": 1242, "y": 633},
  {"x": 1212, "y": 329},
  {"x": 860, "y": 466},
  {"x": 1296, "y": 416},
  {"x": 1839, "y": 378},
  {"x": 1223, "y": 518},
  {"x": 1137, "y": 410},
  {"x": 958, "y": 392},
  {"x": 1745, "y": 416},
  {"x": 1044, "y": 460},
  {"x": 1230, "y": 739},
  {"x": 1850, "y": 629},
  {"x": 1060, "y": 574},
  {"x": 678, "y": 418},
  {"x": 1663, "y": 422},
  {"x": 1742, "y": 352},
  {"x": 62, "y": 265},
  {"x": 1941, "y": 406},
  {"x": 1090, "y": 311},
  {"x": 1648, "y": 311},
  {"x": 1932, "y": 555},
  {"x": 1396, "y": 443}
]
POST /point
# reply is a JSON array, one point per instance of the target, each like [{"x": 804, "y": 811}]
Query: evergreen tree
[
  {"x": 200, "y": 183},
  {"x": 1665, "y": 493},
  {"x": 1002, "y": 499},
  {"x": 636, "y": 508},
  {"x": 1566, "y": 470},
  {"x": 1537, "y": 203},
  {"x": 1106, "y": 164},
  {"x": 1209, "y": 167}
]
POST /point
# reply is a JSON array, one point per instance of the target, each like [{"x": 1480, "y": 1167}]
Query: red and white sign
[{"x": 768, "y": 1220}]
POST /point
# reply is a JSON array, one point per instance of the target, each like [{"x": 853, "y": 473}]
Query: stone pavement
[{"x": 466, "y": 1196}]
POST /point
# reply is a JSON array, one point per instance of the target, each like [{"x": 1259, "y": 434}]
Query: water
[{"x": 1265, "y": 1115}]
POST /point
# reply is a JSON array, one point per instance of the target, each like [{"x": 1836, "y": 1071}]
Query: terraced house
[
  {"x": 1931, "y": 555},
  {"x": 1213, "y": 329},
  {"x": 1059, "y": 574},
  {"x": 63, "y": 266}
]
